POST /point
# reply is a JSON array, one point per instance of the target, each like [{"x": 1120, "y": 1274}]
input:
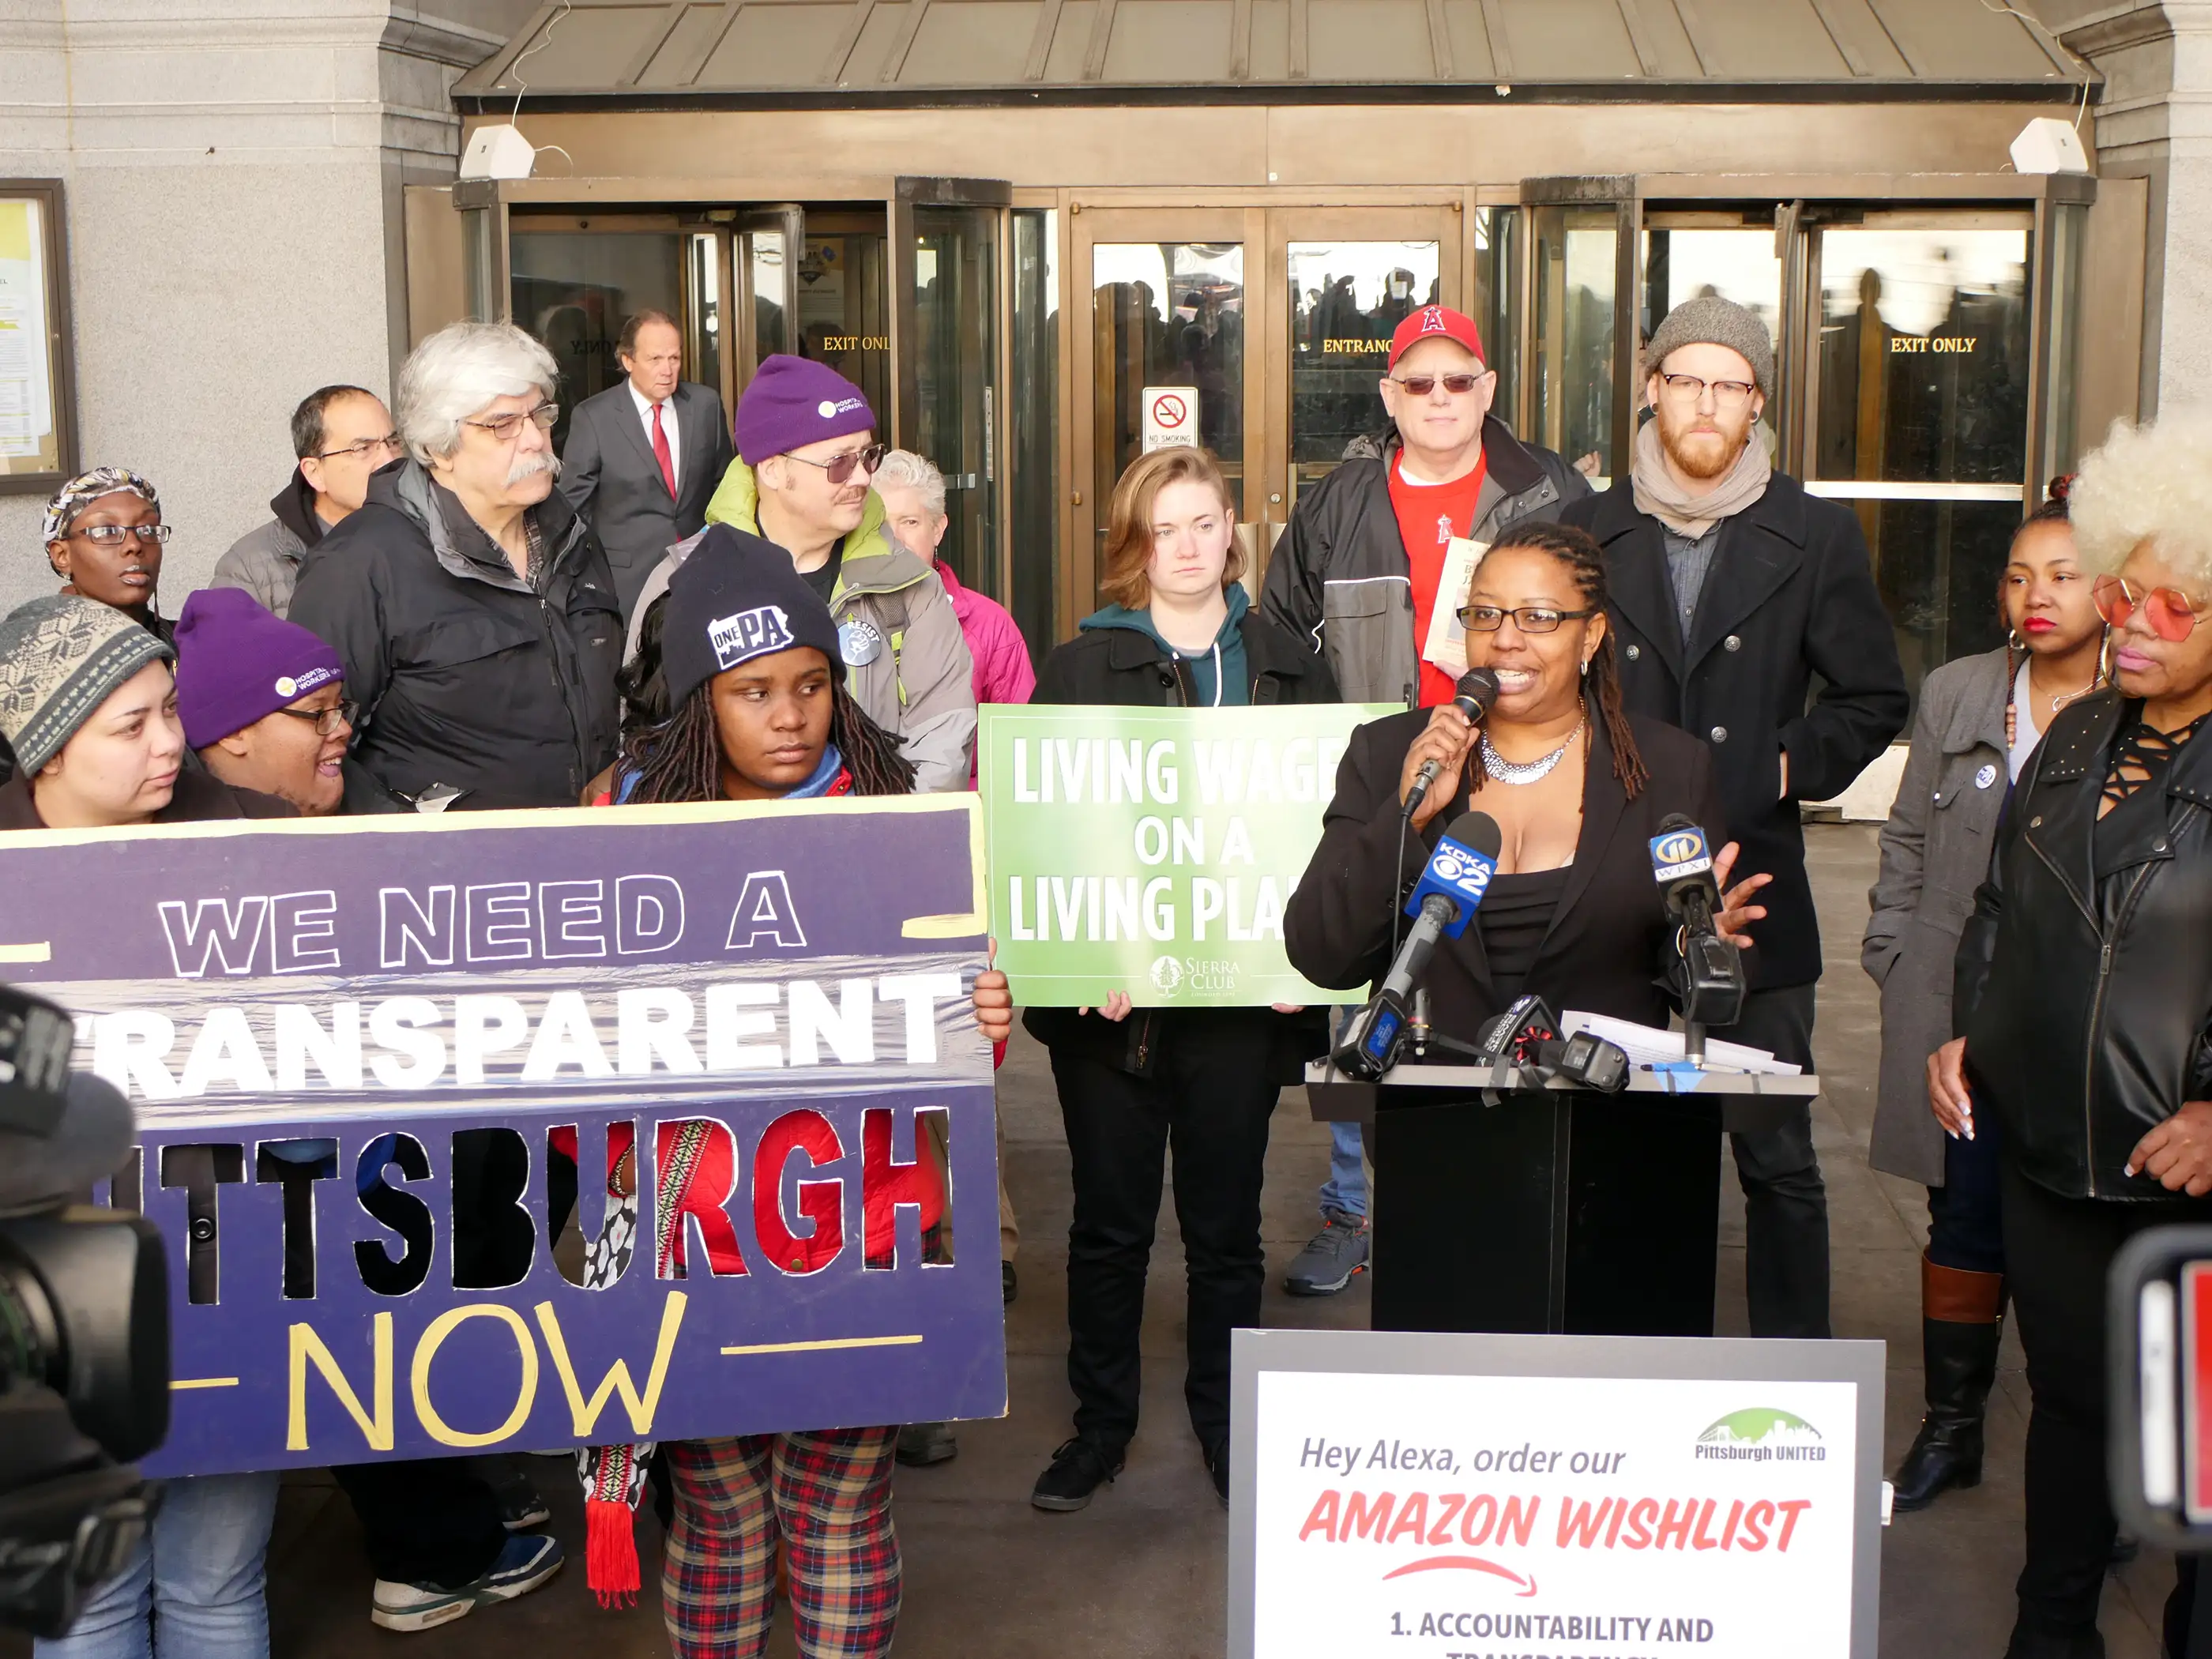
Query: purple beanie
[
  {"x": 794, "y": 402},
  {"x": 238, "y": 661}
]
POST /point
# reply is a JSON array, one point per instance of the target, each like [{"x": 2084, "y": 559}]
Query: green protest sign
[{"x": 1153, "y": 850}]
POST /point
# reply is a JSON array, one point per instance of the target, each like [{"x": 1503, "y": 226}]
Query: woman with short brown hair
[{"x": 1181, "y": 633}]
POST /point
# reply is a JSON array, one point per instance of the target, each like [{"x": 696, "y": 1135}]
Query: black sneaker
[
  {"x": 1006, "y": 1280},
  {"x": 1331, "y": 1256},
  {"x": 920, "y": 1444},
  {"x": 1078, "y": 1468},
  {"x": 1217, "y": 1465},
  {"x": 521, "y": 1505}
]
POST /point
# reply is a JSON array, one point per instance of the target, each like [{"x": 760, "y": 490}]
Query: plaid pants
[{"x": 829, "y": 1494}]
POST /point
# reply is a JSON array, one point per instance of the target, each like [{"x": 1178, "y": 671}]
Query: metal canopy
[{"x": 710, "y": 53}]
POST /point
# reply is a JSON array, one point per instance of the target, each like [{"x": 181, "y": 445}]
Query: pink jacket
[{"x": 1002, "y": 673}]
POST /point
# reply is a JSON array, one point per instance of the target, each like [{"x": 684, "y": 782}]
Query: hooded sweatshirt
[
  {"x": 265, "y": 562},
  {"x": 906, "y": 661},
  {"x": 1220, "y": 672}
]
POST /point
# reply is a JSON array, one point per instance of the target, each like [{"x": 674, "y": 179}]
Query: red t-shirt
[{"x": 1429, "y": 516}]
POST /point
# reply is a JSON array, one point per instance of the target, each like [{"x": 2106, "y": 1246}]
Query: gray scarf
[{"x": 1687, "y": 515}]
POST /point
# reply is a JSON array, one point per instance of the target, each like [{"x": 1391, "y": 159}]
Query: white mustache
[{"x": 529, "y": 466}]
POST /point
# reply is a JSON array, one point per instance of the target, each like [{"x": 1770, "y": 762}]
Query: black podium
[{"x": 1505, "y": 1202}]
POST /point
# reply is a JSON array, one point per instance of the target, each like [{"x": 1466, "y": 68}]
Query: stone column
[{"x": 236, "y": 236}]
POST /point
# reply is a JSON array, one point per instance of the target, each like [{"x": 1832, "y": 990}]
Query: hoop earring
[
  {"x": 2014, "y": 640},
  {"x": 1586, "y": 663},
  {"x": 2105, "y": 657}
]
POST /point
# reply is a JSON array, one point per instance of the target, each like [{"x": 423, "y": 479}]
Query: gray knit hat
[
  {"x": 60, "y": 656},
  {"x": 1711, "y": 320}
]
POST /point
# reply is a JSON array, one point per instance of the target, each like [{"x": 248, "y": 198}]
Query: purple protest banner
[{"x": 306, "y": 1015}]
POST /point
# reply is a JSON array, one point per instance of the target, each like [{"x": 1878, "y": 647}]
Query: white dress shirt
[{"x": 667, "y": 426}]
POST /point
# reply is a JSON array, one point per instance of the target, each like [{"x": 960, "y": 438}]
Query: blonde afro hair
[{"x": 2153, "y": 484}]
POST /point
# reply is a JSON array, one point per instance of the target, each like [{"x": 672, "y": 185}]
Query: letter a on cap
[{"x": 1432, "y": 321}]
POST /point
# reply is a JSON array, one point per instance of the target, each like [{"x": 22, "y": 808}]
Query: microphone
[
  {"x": 1442, "y": 903},
  {"x": 1705, "y": 969},
  {"x": 1527, "y": 1035},
  {"x": 1476, "y": 690}
]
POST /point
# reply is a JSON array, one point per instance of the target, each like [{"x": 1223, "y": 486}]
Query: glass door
[
  {"x": 1580, "y": 411},
  {"x": 1346, "y": 278},
  {"x": 574, "y": 280},
  {"x": 949, "y": 407},
  {"x": 1920, "y": 405},
  {"x": 1170, "y": 312}
]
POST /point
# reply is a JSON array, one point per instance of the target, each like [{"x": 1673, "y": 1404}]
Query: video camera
[{"x": 84, "y": 1330}]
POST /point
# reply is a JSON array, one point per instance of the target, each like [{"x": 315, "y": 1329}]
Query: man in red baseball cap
[
  {"x": 1358, "y": 568},
  {"x": 1357, "y": 573}
]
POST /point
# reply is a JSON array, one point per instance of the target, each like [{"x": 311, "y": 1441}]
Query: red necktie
[{"x": 661, "y": 453}]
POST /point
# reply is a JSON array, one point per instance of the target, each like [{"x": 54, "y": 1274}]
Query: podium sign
[{"x": 1422, "y": 1495}]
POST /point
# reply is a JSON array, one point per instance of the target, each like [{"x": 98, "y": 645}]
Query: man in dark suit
[
  {"x": 1732, "y": 589},
  {"x": 644, "y": 458}
]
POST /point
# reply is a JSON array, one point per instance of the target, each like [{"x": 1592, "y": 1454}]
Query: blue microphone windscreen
[{"x": 1460, "y": 869}]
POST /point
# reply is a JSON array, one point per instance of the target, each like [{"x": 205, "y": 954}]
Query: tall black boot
[{"x": 1962, "y": 1324}]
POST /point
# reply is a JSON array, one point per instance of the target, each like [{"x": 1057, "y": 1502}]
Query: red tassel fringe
[{"x": 611, "y": 1552}]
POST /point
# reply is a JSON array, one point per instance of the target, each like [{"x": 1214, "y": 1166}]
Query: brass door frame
[
  {"x": 1087, "y": 227},
  {"x": 1448, "y": 224},
  {"x": 1804, "y": 202}
]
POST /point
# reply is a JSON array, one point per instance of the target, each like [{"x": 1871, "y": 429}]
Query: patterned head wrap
[{"x": 87, "y": 488}]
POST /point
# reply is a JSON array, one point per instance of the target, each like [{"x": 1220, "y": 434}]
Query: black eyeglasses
[
  {"x": 507, "y": 428},
  {"x": 841, "y": 467},
  {"x": 1458, "y": 384},
  {"x": 327, "y": 721},
  {"x": 1528, "y": 618},
  {"x": 1689, "y": 389},
  {"x": 114, "y": 535},
  {"x": 389, "y": 444}
]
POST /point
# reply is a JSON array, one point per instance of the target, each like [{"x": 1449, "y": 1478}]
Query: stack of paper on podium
[{"x": 1647, "y": 1045}]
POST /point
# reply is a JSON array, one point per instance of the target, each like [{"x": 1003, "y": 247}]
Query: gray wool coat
[{"x": 1935, "y": 852}]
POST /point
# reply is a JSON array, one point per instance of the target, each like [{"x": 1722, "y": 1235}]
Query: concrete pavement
[{"x": 1139, "y": 1574}]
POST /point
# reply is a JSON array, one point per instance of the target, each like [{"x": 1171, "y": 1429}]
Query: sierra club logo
[
  {"x": 1762, "y": 1434},
  {"x": 1166, "y": 975}
]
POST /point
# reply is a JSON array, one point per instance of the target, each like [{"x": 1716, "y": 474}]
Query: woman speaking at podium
[
  {"x": 1577, "y": 786},
  {"x": 1468, "y": 1230}
]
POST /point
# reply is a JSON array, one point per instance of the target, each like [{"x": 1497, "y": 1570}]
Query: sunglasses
[
  {"x": 841, "y": 468},
  {"x": 2170, "y": 612},
  {"x": 1458, "y": 384}
]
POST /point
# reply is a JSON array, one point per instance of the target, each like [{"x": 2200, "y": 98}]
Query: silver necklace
[{"x": 1506, "y": 771}]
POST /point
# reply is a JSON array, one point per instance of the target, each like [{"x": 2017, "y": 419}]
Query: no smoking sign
[{"x": 1170, "y": 417}]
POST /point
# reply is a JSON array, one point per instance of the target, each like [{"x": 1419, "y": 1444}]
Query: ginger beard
[{"x": 1703, "y": 445}]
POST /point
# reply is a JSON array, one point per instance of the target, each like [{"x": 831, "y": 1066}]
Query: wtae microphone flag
[
  {"x": 336, "y": 1034},
  {"x": 1154, "y": 850}
]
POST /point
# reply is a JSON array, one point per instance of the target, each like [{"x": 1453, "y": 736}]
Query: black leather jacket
[{"x": 2084, "y": 977}]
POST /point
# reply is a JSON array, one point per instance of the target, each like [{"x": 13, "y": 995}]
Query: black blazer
[
  {"x": 1602, "y": 953},
  {"x": 1790, "y": 595},
  {"x": 610, "y": 477},
  {"x": 1122, "y": 667}
]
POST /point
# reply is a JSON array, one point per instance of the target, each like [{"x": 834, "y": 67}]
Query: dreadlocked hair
[
  {"x": 1584, "y": 559},
  {"x": 680, "y": 759}
]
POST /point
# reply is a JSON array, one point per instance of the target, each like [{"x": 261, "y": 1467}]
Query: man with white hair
[{"x": 476, "y": 613}]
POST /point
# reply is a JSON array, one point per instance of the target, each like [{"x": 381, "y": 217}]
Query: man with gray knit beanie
[{"x": 1732, "y": 589}]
